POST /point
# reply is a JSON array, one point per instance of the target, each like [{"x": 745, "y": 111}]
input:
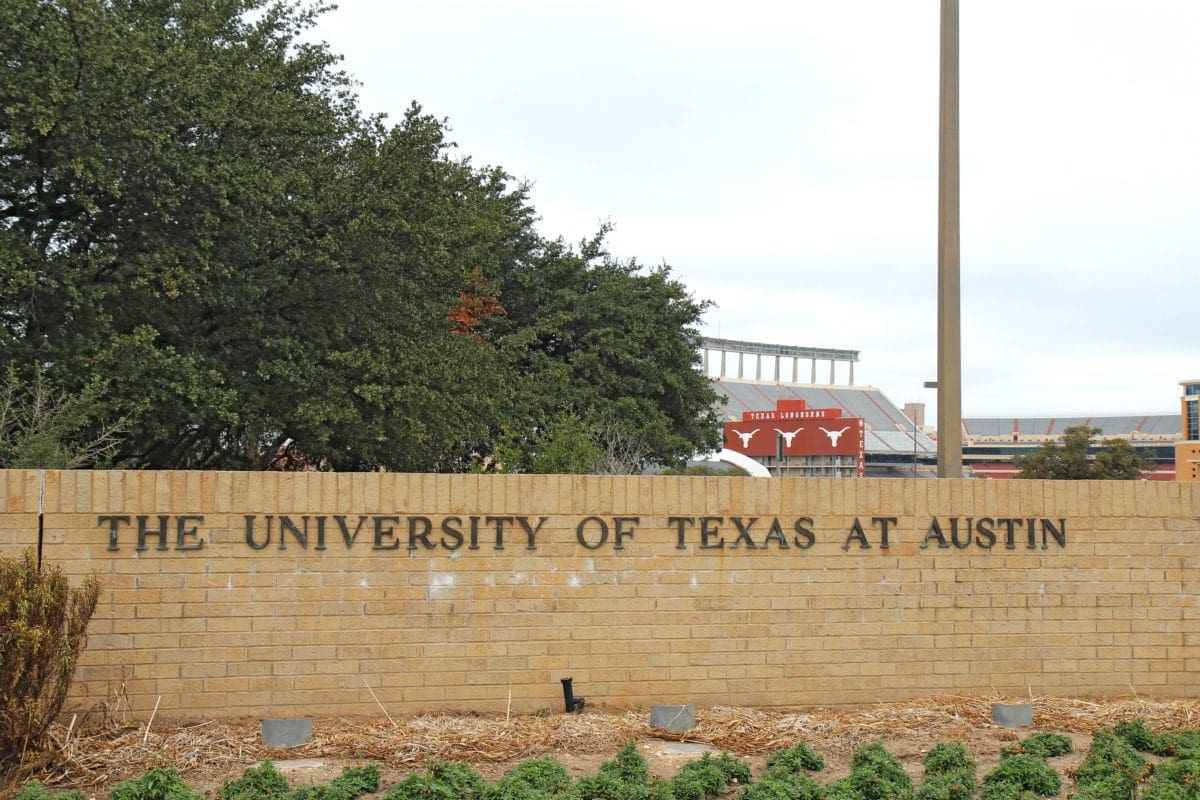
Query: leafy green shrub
[
  {"x": 1165, "y": 790},
  {"x": 876, "y": 774},
  {"x": 1111, "y": 787},
  {"x": 1020, "y": 772},
  {"x": 795, "y": 759},
  {"x": 1111, "y": 755},
  {"x": 948, "y": 757},
  {"x": 35, "y": 791},
  {"x": 443, "y": 780},
  {"x": 626, "y": 777},
  {"x": 532, "y": 779},
  {"x": 1178, "y": 744},
  {"x": 157, "y": 784},
  {"x": 1177, "y": 779},
  {"x": 955, "y": 784},
  {"x": 709, "y": 776},
  {"x": 257, "y": 783},
  {"x": 949, "y": 773},
  {"x": 1047, "y": 745},
  {"x": 629, "y": 765},
  {"x": 43, "y": 630},
  {"x": 353, "y": 782},
  {"x": 781, "y": 785},
  {"x": 1137, "y": 733}
]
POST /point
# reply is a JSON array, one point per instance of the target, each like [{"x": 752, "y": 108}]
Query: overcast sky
[{"x": 781, "y": 157}]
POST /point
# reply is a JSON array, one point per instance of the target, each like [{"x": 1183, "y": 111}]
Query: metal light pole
[{"x": 949, "y": 357}]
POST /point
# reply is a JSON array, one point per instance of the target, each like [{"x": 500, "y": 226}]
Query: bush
[
  {"x": 709, "y": 777},
  {"x": 783, "y": 786},
  {"x": 1178, "y": 744},
  {"x": 43, "y": 630},
  {"x": 353, "y": 782},
  {"x": 532, "y": 779},
  {"x": 1109, "y": 755},
  {"x": 795, "y": 759},
  {"x": 1020, "y": 772},
  {"x": 876, "y": 774},
  {"x": 955, "y": 784},
  {"x": 1112, "y": 787},
  {"x": 1047, "y": 745},
  {"x": 1137, "y": 733},
  {"x": 257, "y": 783},
  {"x": 949, "y": 757},
  {"x": 157, "y": 784},
  {"x": 949, "y": 773},
  {"x": 442, "y": 781},
  {"x": 35, "y": 791}
]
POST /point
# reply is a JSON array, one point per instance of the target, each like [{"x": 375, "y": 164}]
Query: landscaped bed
[{"x": 946, "y": 749}]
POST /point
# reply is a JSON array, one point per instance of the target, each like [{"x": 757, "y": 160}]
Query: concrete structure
[
  {"x": 279, "y": 594},
  {"x": 777, "y": 355},
  {"x": 1187, "y": 451}
]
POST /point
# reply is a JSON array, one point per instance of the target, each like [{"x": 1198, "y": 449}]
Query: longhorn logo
[
  {"x": 787, "y": 437},
  {"x": 746, "y": 437},
  {"x": 834, "y": 435}
]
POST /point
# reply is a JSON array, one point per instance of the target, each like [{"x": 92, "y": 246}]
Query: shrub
[
  {"x": 1137, "y": 733},
  {"x": 1111, "y": 787},
  {"x": 783, "y": 786},
  {"x": 1109, "y": 755},
  {"x": 949, "y": 773},
  {"x": 1184, "y": 771},
  {"x": 949, "y": 757},
  {"x": 709, "y": 777},
  {"x": 1047, "y": 745},
  {"x": 876, "y": 774},
  {"x": 532, "y": 779},
  {"x": 353, "y": 782},
  {"x": 157, "y": 784},
  {"x": 257, "y": 783},
  {"x": 955, "y": 784},
  {"x": 795, "y": 759},
  {"x": 443, "y": 780},
  {"x": 1178, "y": 744},
  {"x": 35, "y": 791},
  {"x": 1020, "y": 772},
  {"x": 43, "y": 630}
]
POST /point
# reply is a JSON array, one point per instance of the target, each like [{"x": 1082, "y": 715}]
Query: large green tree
[
  {"x": 201, "y": 233},
  {"x": 1116, "y": 459}
]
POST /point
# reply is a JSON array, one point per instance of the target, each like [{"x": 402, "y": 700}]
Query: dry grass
[{"x": 207, "y": 750}]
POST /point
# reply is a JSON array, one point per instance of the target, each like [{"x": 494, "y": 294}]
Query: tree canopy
[
  {"x": 1116, "y": 459},
  {"x": 202, "y": 234}
]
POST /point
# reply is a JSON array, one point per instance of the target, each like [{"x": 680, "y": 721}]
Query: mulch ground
[{"x": 94, "y": 756}]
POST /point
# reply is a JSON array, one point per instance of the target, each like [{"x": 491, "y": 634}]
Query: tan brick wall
[{"x": 294, "y": 630}]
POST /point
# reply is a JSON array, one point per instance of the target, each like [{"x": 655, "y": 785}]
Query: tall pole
[{"x": 949, "y": 357}]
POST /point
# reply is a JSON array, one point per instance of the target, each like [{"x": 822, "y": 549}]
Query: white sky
[{"x": 781, "y": 157}]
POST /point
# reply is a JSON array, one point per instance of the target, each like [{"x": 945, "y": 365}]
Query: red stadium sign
[{"x": 842, "y": 436}]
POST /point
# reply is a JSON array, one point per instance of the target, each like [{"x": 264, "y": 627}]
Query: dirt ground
[{"x": 94, "y": 755}]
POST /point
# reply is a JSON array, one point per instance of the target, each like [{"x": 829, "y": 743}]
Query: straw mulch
[{"x": 217, "y": 750}]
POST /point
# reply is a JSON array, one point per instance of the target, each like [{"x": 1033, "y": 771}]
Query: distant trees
[
  {"x": 1116, "y": 460},
  {"x": 202, "y": 235}
]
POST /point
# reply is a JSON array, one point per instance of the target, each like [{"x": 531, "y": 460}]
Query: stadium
[{"x": 764, "y": 383}]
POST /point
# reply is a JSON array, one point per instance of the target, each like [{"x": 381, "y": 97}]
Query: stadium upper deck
[{"x": 752, "y": 376}]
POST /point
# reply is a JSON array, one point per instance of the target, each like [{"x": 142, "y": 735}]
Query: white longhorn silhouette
[
  {"x": 787, "y": 437},
  {"x": 834, "y": 435},
  {"x": 746, "y": 437}
]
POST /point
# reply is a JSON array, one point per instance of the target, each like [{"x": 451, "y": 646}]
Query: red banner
[{"x": 843, "y": 436}]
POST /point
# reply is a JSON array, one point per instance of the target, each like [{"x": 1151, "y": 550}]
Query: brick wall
[{"x": 1102, "y": 599}]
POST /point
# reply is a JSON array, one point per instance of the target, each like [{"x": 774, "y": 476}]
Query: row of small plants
[{"x": 1115, "y": 768}]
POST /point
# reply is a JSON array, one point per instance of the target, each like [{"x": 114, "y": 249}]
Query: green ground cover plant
[
  {"x": 949, "y": 774},
  {"x": 875, "y": 774},
  {"x": 442, "y": 780},
  {"x": 1019, "y": 773}
]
